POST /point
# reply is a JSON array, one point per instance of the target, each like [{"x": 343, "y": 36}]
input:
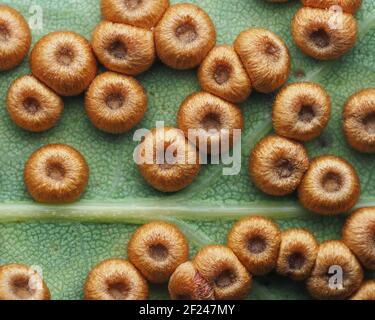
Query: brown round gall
[
  {"x": 64, "y": 61},
  {"x": 222, "y": 74},
  {"x": 359, "y": 235},
  {"x": 298, "y": 251},
  {"x": 32, "y": 105},
  {"x": 265, "y": 57},
  {"x": 184, "y": 36},
  {"x": 255, "y": 241},
  {"x": 301, "y": 111},
  {"x": 56, "y": 173},
  {"x": 123, "y": 48},
  {"x": 359, "y": 120},
  {"x": 277, "y": 165},
  {"x": 21, "y": 282},
  {"x": 210, "y": 122},
  {"x": 157, "y": 249},
  {"x": 220, "y": 266},
  {"x": 167, "y": 160},
  {"x": 115, "y": 279},
  {"x": 349, "y": 6},
  {"x": 143, "y": 14},
  {"x": 330, "y": 186},
  {"x": 313, "y": 33},
  {"x": 337, "y": 274},
  {"x": 186, "y": 283},
  {"x": 115, "y": 103},
  {"x": 15, "y": 38}
]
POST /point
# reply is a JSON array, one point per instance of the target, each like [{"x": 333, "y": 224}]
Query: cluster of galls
[
  {"x": 158, "y": 253},
  {"x": 126, "y": 43},
  {"x": 183, "y": 36},
  {"x": 279, "y": 164}
]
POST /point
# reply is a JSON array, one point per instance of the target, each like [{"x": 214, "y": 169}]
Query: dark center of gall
[
  {"x": 211, "y": 121},
  {"x": 117, "y": 50},
  {"x": 225, "y": 279},
  {"x": 284, "y": 168},
  {"x": 118, "y": 290},
  {"x": 158, "y": 252},
  {"x": 256, "y": 245},
  {"x": 296, "y": 261},
  {"x": 222, "y": 74},
  {"x": 31, "y": 105},
  {"x": 4, "y": 33},
  {"x": 114, "y": 101},
  {"x": 132, "y": 4},
  {"x": 65, "y": 57},
  {"x": 332, "y": 182},
  {"x": 186, "y": 33},
  {"x": 320, "y": 38},
  {"x": 21, "y": 287},
  {"x": 369, "y": 123},
  {"x": 271, "y": 49},
  {"x": 56, "y": 171},
  {"x": 306, "y": 114}
]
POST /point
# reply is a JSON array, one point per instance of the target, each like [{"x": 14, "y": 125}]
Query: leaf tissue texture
[{"x": 67, "y": 240}]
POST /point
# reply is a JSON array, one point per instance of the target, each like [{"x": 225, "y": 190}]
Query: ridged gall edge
[
  {"x": 157, "y": 249},
  {"x": 184, "y": 36},
  {"x": 56, "y": 173},
  {"x": 115, "y": 279},
  {"x": 330, "y": 186},
  {"x": 115, "y": 103},
  {"x": 277, "y": 165}
]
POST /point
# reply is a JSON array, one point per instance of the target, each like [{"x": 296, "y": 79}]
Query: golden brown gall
[
  {"x": 222, "y": 74},
  {"x": 122, "y": 48},
  {"x": 255, "y": 241},
  {"x": 186, "y": 283},
  {"x": 138, "y": 13},
  {"x": 32, "y": 105},
  {"x": 167, "y": 160},
  {"x": 115, "y": 279},
  {"x": 64, "y": 61},
  {"x": 56, "y": 173},
  {"x": 220, "y": 266},
  {"x": 365, "y": 292},
  {"x": 184, "y": 36},
  {"x": 349, "y": 6},
  {"x": 21, "y": 282},
  {"x": 301, "y": 111},
  {"x": 359, "y": 235},
  {"x": 298, "y": 251},
  {"x": 15, "y": 38},
  {"x": 210, "y": 122},
  {"x": 315, "y": 35},
  {"x": 337, "y": 274},
  {"x": 277, "y": 165},
  {"x": 265, "y": 57},
  {"x": 359, "y": 121},
  {"x": 157, "y": 249},
  {"x": 331, "y": 186},
  {"x": 115, "y": 103}
]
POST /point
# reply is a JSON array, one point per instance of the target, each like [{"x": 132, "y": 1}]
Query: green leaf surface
[{"x": 66, "y": 241}]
